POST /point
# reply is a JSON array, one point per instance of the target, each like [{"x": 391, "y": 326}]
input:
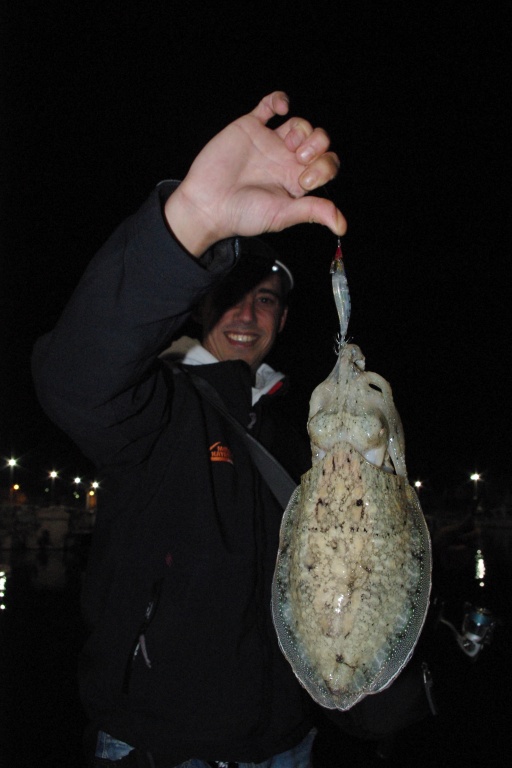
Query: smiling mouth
[{"x": 241, "y": 338}]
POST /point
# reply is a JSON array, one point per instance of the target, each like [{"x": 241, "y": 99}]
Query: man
[
  {"x": 182, "y": 664},
  {"x": 242, "y": 318}
]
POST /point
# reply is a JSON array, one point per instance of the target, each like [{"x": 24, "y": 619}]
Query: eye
[{"x": 268, "y": 300}]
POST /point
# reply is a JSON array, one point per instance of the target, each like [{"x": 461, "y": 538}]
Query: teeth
[{"x": 241, "y": 337}]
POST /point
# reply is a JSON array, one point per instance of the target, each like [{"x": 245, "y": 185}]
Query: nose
[{"x": 245, "y": 310}]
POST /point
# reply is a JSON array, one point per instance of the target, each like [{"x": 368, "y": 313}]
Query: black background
[{"x": 101, "y": 100}]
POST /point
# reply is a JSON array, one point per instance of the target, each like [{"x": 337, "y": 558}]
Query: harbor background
[{"x": 41, "y": 634}]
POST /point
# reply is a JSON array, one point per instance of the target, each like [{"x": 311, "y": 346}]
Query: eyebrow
[{"x": 271, "y": 292}]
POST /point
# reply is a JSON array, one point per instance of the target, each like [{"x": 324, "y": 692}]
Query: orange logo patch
[{"x": 219, "y": 452}]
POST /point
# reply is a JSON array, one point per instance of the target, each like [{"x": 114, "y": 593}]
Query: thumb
[
  {"x": 313, "y": 210},
  {"x": 275, "y": 103}
]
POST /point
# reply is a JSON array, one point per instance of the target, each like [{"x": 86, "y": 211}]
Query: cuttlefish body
[{"x": 352, "y": 581}]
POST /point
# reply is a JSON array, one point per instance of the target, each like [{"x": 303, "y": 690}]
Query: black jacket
[{"x": 182, "y": 658}]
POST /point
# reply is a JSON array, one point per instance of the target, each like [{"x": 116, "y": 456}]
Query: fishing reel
[{"x": 477, "y": 629}]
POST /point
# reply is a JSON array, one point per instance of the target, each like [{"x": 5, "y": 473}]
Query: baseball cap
[{"x": 257, "y": 259}]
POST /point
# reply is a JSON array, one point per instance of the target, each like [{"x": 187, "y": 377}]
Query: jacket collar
[{"x": 190, "y": 352}]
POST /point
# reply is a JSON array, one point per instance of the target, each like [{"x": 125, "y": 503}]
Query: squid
[{"x": 352, "y": 580}]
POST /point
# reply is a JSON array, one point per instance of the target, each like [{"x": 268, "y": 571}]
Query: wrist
[{"x": 189, "y": 225}]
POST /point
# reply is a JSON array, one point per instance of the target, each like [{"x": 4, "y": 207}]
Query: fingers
[
  {"x": 300, "y": 137},
  {"x": 313, "y": 210},
  {"x": 320, "y": 171},
  {"x": 298, "y": 134},
  {"x": 309, "y": 144},
  {"x": 276, "y": 103},
  {"x": 311, "y": 147}
]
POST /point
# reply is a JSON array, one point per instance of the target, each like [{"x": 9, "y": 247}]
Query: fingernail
[
  {"x": 309, "y": 180},
  {"x": 306, "y": 154}
]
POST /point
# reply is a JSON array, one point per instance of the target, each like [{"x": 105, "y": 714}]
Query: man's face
[{"x": 248, "y": 329}]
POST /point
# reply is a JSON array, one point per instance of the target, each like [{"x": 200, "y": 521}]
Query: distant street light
[
  {"x": 77, "y": 481},
  {"x": 418, "y": 484},
  {"x": 53, "y": 475},
  {"x": 475, "y": 477},
  {"x": 11, "y": 463},
  {"x": 91, "y": 500}
]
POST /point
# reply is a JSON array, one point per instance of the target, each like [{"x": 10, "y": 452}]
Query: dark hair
[{"x": 256, "y": 261}]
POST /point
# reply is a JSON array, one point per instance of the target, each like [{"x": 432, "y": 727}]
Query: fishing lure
[{"x": 341, "y": 293}]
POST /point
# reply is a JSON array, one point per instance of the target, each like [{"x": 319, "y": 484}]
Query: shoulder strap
[{"x": 274, "y": 474}]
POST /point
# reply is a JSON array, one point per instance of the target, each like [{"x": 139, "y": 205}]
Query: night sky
[{"x": 101, "y": 100}]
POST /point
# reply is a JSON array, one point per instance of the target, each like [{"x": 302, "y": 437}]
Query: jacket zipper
[{"x": 139, "y": 644}]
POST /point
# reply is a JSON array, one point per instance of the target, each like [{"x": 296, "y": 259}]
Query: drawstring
[{"x": 142, "y": 646}]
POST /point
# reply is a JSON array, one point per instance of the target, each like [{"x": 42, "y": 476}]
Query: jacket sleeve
[{"x": 96, "y": 373}]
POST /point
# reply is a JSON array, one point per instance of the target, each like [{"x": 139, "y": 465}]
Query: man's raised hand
[{"x": 251, "y": 179}]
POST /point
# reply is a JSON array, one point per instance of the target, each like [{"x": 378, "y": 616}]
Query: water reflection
[
  {"x": 42, "y": 569},
  {"x": 480, "y": 567},
  {"x": 4, "y": 570},
  {"x": 41, "y": 634}
]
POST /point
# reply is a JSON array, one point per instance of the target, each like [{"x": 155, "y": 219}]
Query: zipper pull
[{"x": 428, "y": 684}]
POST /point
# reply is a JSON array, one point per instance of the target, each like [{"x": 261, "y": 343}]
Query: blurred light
[
  {"x": 480, "y": 565},
  {"x": 475, "y": 477},
  {"x": 53, "y": 474},
  {"x": 12, "y": 462},
  {"x": 418, "y": 484},
  {"x": 77, "y": 480},
  {"x": 3, "y": 585}
]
